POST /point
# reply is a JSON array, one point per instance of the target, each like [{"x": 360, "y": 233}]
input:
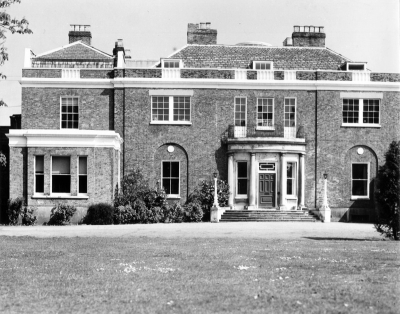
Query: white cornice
[
  {"x": 64, "y": 138},
  {"x": 210, "y": 84},
  {"x": 66, "y": 83},
  {"x": 256, "y": 84}
]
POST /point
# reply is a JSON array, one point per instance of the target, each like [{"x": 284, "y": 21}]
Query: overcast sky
[{"x": 362, "y": 30}]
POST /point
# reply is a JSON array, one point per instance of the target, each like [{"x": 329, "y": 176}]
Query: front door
[{"x": 266, "y": 193}]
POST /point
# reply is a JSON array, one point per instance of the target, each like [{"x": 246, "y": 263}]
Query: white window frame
[
  {"x": 360, "y": 113},
  {"x": 171, "y": 111},
  {"x": 287, "y": 129},
  {"x": 358, "y": 197},
  {"x": 171, "y": 60},
  {"x": 237, "y": 179},
  {"x": 273, "y": 115},
  {"x": 234, "y": 111},
  {"x": 34, "y": 180},
  {"x": 79, "y": 175},
  {"x": 51, "y": 176},
  {"x": 271, "y": 63},
  {"x": 294, "y": 179},
  {"x": 175, "y": 196},
  {"x": 67, "y": 96}
]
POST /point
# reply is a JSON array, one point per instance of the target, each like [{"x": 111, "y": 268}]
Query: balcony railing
[
  {"x": 278, "y": 130},
  {"x": 71, "y": 73},
  {"x": 171, "y": 73}
]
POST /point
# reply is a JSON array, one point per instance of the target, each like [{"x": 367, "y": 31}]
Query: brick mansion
[{"x": 271, "y": 121}]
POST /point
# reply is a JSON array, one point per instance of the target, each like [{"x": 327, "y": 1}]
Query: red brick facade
[{"x": 315, "y": 142}]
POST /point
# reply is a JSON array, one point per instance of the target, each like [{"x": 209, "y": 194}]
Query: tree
[
  {"x": 14, "y": 26},
  {"x": 388, "y": 193}
]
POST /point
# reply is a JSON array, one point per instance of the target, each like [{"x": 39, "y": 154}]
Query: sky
[{"x": 361, "y": 30}]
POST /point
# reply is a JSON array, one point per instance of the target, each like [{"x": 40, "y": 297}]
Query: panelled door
[{"x": 266, "y": 191}]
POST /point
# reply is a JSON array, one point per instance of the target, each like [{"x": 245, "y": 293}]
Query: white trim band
[{"x": 64, "y": 138}]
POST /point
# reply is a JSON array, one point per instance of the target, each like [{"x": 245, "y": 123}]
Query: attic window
[
  {"x": 355, "y": 66},
  {"x": 262, "y": 65},
  {"x": 169, "y": 63}
]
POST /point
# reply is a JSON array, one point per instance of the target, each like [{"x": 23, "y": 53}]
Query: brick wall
[
  {"x": 208, "y": 74},
  {"x": 100, "y": 73},
  {"x": 308, "y": 39},
  {"x": 336, "y": 146},
  {"x": 145, "y": 73},
  {"x": 41, "y": 73},
  {"x": 41, "y": 108},
  {"x": 334, "y": 76},
  {"x": 385, "y": 77},
  {"x": 212, "y": 112}
]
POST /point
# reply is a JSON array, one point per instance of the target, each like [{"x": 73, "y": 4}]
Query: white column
[
  {"x": 252, "y": 196},
  {"x": 302, "y": 182},
  {"x": 282, "y": 168},
  {"x": 231, "y": 180}
]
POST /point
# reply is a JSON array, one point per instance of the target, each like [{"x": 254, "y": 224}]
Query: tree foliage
[
  {"x": 11, "y": 25},
  {"x": 203, "y": 194},
  {"x": 388, "y": 193}
]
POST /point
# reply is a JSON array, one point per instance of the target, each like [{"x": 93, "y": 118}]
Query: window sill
[
  {"x": 241, "y": 197},
  {"x": 360, "y": 125},
  {"x": 78, "y": 197},
  {"x": 173, "y": 196},
  {"x": 356, "y": 198},
  {"x": 172, "y": 122},
  {"x": 291, "y": 197},
  {"x": 265, "y": 128}
]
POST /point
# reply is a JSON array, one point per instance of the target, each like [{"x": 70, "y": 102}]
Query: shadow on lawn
[{"x": 339, "y": 239}]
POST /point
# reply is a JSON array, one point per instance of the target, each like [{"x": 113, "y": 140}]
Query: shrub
[
  {"x": 14, "y": 209},
  {"x": 204, "y": 195},
  {"x": 133, "y": 187},
  {"x": 124, "y": 215},
  {"x": 61, "y": 214},
  {"x": 137, "y": 202},
  {"x": 388, "y": 193},
  {"x": 193, "y": 212},
  {"x": 28, "y": 217},
  {"x": 176, "y": 213},
  {"x": 99, "y": 214}
]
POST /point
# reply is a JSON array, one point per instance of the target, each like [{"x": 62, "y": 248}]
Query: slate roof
[
  {"x": 285, "y": 58},
  {"x": 77, "y": 51}
]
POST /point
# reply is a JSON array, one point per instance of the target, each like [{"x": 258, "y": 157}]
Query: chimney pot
[
  {"x": 308, "y": 36},
  {"x": 201, "y": 34},
  {"x": 80, "y": 32}
]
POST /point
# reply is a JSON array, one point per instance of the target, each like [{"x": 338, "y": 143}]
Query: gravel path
[{"x": 270, "y": 230}]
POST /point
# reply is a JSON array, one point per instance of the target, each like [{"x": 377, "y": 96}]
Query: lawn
[{"x": 189, "y": 275}]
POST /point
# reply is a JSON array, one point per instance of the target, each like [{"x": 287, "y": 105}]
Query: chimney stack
[
  {"x": 308, "y": 36},
  {"x": 201, "y": 34},
  {"x": 80, "y": 32}
]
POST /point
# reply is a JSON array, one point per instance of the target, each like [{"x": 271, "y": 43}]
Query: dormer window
[
  {"x": 262, "y": 65},
  {"x": 354, "y": 66},
  {"x": 169, "y": 63}
]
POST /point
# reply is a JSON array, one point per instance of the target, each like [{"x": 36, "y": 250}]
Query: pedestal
[
  {"x": 325, "y": 212},
  {"x": 214, "y": 214}
]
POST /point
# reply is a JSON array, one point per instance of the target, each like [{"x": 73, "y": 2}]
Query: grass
[{"x": 188, "y": 275}]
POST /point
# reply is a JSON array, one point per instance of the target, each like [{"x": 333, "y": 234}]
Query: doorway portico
[{"x": 266, "y": 173}]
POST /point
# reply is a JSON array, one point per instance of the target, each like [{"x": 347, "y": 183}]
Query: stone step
[{"x": 266, "y": 215}]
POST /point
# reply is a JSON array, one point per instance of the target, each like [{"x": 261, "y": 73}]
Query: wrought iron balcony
[{"x": 277, "y": 130}]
